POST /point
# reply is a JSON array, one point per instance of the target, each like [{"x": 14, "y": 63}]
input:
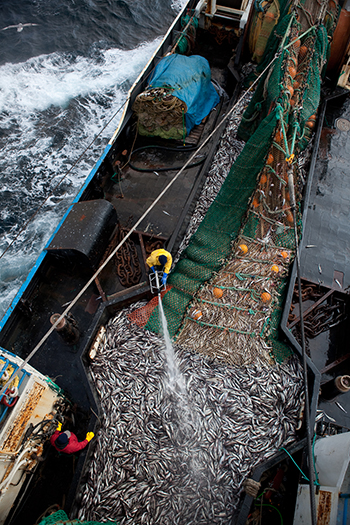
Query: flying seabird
[{"x": 19, "y": 27}]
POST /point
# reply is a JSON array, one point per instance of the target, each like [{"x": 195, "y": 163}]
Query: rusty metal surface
[
  {"x": 324, "y": 508},
  {"x": 19, "y": 425},
  {"x": 8, "y": 470}
]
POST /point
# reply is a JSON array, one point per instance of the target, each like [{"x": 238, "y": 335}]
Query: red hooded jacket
[{"x": 72, "y": 446}]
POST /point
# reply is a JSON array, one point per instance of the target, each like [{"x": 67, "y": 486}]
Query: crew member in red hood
[{"x": 67, "y": 442}]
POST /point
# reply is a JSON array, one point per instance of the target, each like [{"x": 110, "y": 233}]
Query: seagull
[{"x": 19, "y": 27}]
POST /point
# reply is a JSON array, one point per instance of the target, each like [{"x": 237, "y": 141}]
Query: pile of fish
[{"x": 179, "y": 453}]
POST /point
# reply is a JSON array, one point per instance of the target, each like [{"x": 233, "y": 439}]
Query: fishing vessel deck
[{"x": 164, "y": 455}]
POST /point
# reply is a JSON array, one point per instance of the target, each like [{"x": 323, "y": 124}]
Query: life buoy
[{"x": 10, "y": 398}]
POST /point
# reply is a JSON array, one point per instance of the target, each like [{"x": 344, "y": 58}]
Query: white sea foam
[
  {"x": 177, "y": 5},
  {"x": 56, "y": 79},
  {"x": 51, "y": 107}
]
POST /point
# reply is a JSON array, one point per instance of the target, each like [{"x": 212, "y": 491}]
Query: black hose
[{"x": 168, "y": 148}]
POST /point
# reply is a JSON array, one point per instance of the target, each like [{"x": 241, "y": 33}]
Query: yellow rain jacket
[{"x": 153, "y": 259}]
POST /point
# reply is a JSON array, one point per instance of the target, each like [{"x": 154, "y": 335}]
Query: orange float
[
  {"x": 279, "y": 136},
  {"x": 270, "y": 159},
  {"x": 292, "y": 71},
  {"x": 289, "y": 216},
  {"x": 255, "y": 202},
  {"x": 269, "y": 17},
  {"x": 218, "y": 292},
  {"x": 266, "y": 297},
  {"x": 284, "y": 255},
  {"x": 291, "y": 90},
  {"x": 302, "y": 52},
  {"x": 275, "y": 268},
  {"x": 296, "y": 44},
  {"x": 196, "y": 315},
  {"x": 263, "y": 179},
  {"x": 311, "y": 121},
  {"x": 243, "y": 248}
]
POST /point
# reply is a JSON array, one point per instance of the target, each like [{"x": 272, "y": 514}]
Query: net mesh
[
  {"x": 228, "y": 286},
  {"x": 142, "y": 315},
  {"x": 294, "y": 80}
]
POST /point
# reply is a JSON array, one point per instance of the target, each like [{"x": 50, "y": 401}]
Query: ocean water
[{"x": 61, "y": 81}]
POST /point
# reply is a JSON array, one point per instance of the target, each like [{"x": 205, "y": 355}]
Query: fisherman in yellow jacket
[{"x": 160, "y": 260}]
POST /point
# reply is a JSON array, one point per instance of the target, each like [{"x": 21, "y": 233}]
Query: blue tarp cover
[{"x": 190, "y": 78}]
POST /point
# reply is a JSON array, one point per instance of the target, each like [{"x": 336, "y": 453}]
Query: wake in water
[{"x": 50, "y": 109}]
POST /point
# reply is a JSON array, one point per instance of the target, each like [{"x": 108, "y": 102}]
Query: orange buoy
[
  {"x": 263, "y": 179},
  {"x": 255, "y": 202},
  {"x": 279, "y": 136},
  {"x": 292, "y": 71},
  {"x": 275, "y": 268},
  {"x": 296, "y": 85},
  {"x": 296, "y": 44},
  {"x": 311, "y": 121},
  {"x": 269, "y": 17},
  {"x": 266, "y": 297},
  {"x": 302, "y": 52},
  {"x": 291, "y": 90},
  {"x": 218, "y": 292},
  {"x": 243, "y": 248},
  {"x": 270, "y": 159},
  {"x": 196, "y": 314},
  {"x": 284, "y": 255},
  {"x": 289, "y": 216}
]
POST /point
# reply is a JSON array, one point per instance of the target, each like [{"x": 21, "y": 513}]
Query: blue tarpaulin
[{"x": 190, "y": 79}]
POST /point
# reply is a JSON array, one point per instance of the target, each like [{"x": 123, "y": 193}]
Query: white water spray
[{"x": 176, "y": 380}]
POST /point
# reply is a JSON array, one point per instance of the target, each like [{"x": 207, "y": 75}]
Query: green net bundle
[
  {"x": 229, "y": 284},
  {"x": 307, "y": 56},
  {"x": 160, "y": 114}
]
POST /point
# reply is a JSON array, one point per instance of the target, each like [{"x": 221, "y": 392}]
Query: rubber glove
[
  {"x": 59, "y": 426},
  {"x": 89, "y": 436},
  {"x": 153, "y": 269},
  {"x": 164, "y": 278}
]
